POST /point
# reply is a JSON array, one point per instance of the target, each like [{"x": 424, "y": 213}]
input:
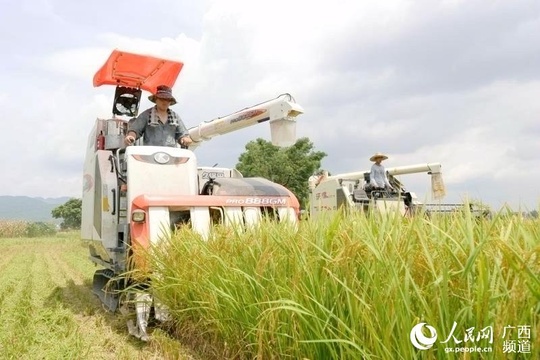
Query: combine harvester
[
  {"x": 330, "y": 193},
  {"x": 137, "y": 195}
]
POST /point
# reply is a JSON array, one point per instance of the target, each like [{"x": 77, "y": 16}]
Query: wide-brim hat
[
  {"x": 163, "y": 92},
  {"x": 378, "y": 156}
]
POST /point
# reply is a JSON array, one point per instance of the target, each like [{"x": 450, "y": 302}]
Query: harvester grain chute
[{"x": 123, "y": 208}]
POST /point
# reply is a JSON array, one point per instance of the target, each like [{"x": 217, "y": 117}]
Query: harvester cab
[{"x": 135, "y": 196}]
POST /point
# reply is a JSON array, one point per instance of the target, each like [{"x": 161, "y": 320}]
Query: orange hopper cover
[{"x": 137, "y": 71}]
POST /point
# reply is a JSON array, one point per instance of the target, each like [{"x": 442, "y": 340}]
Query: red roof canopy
[{"x": 137, "y": 71}]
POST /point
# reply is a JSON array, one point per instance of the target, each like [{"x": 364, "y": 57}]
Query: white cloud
[
  {"x": 40, "y": 8},
  {"x": 448, "y": 81},
  {"x": 79, "y": 63}
]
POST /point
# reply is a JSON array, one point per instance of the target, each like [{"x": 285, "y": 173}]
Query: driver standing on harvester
[
  {"x": 159, "y": 125},
  {"x": 377, "y": 177}
]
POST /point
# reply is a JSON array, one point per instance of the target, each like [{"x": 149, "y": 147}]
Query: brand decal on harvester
[
  {"x": 257, "y": 201},
  {"x": 248, "y": 115},
  {"x": 212, "y": 174}
]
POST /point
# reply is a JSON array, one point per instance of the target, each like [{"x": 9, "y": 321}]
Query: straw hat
[
  {"x": 378, "y": 156},
  {"x": 163, "y": 92}
]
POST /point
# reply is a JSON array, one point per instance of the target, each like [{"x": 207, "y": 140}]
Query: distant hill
[{"x": 29, "y": 208}]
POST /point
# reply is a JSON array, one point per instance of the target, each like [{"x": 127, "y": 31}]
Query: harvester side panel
[{"x": 101, "y": 226}]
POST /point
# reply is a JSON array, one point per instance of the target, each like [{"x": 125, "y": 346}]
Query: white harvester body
[
  {"x": 351, "y": 190},
  {"x": 135, "y": 196}
]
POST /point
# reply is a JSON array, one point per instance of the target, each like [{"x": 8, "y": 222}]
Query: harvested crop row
[{"x": 48, "y": 311}]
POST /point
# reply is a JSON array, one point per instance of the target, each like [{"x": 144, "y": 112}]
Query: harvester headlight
[
  {"x": 162, "y": 158},
  {"x": 138, "y": 216}
]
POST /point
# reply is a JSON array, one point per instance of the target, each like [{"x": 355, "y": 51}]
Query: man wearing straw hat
[
  {"x": 377, "y": 176},
  {"x": 159, "y": 125}
]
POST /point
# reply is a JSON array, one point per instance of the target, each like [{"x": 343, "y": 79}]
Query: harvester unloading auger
[{"x": 135, "y": 196}]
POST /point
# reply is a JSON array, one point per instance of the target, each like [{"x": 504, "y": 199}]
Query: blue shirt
[
  {"x": 377, "y": 177},
  {"x": 156, "y": 133}
]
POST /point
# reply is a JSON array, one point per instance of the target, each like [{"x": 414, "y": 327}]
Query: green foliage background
[
  {"x": 71, "y": 212},
  {"x": 290, "y": 167},
  {"x": 20, "y": 229}
]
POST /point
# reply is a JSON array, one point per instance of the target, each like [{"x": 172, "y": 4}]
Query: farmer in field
[
  {"x": 159, "y": 125},
  {"x": 377, "y": 177}
]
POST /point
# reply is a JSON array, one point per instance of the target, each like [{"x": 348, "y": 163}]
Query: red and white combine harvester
[{"x": 135, "y": 196}]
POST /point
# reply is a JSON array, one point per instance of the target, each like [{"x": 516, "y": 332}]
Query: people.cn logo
[{"x": 421, "y": 341}]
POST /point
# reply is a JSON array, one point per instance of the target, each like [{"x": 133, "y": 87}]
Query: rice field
[
  {"x": 48, "y": 311},
  {"x": 358, "y": 286},
  {"x": 353, "y": 286}
]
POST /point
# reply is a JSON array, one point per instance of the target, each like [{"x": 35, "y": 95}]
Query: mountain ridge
[{"x": 29, "y": 208}]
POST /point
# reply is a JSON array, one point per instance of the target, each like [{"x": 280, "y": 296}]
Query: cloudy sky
[{"x": 455, "y": 82}]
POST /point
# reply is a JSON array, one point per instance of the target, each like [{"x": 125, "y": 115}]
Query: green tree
[
  {"x": 290, "y": 167},
  {"x": 40, "y": 228},
  {"x": 70, "y": 211}
]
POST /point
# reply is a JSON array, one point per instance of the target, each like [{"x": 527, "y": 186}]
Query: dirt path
[{"x": 48, "y": 311}]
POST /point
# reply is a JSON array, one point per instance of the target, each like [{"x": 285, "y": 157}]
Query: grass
[
  {"x": 353, "y": 286},
  {"x": 48, "y": 311}
]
